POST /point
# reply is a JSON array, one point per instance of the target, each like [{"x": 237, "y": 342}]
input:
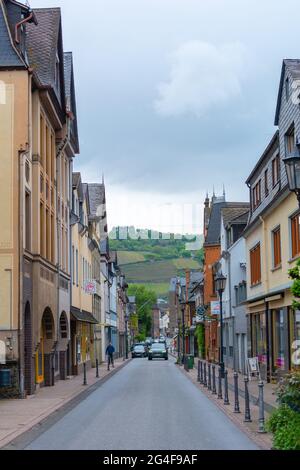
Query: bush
[
  {"x": 288, "y": 391},
  {"x": 284, "y": 424}
]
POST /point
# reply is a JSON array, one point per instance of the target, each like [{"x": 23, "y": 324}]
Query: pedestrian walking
[{"x": 110, "y": 355}]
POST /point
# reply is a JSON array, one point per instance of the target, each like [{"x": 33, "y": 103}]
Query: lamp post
[
  {"x": 183, "y": 336},
  {"x": 292, "y": 167},
  {"x": 126, "y": 335},
  {"x": 220, "y": 281}
]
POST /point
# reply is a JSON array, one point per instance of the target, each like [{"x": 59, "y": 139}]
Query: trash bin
[
  {"x": 190, "y": 361},
  {"x": 5, "y": 378}
]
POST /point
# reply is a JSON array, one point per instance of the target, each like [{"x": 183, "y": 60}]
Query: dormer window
[
  {"x": 290, "y": 141},
  {"x": 287, "y": 88},
  {"x": 276, "y": 170},
  {"x": 256, "y": 195}
]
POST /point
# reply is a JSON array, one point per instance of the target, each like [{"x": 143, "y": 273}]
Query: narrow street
[{"x": 145, "y": 406}]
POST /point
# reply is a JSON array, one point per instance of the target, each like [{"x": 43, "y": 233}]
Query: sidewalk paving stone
[{"x": 19, "y": 416}]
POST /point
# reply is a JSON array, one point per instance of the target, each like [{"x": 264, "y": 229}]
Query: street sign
[
  {"x": 90, "y": 287},
  {"x": 253, "y": 367},
  {"x": 215, "y": 308}
]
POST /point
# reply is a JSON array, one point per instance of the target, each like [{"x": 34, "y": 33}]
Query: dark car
[
  {"x": 138, "y": 351},
  {"x": 158, "y": 351}
]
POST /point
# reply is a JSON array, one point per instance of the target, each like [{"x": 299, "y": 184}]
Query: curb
[
  {"x": 250, "y": 434},
  {"x": 20, "y": 440}
]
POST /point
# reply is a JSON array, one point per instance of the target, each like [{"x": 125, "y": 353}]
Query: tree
[{"x": 145, "y": 299}]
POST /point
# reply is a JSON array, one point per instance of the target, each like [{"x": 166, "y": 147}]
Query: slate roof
[
  {"x": 8, "y": 54},
  {"x": 233, "y": 214},
  {"x": 68, "y": 67},
  {"x": 45, "y": 34},
  {"x": 76, "y": 179},
  {"x": 97, "y": 197},
  {"x": 293, "y": 66},
  {"x": 173, "y": 283},
  {"x": 266, "y": 154},
  {"x": 113, "y": 256},
  {"x": 196, "y": 277},
  {"x": 214, "y": 225}
]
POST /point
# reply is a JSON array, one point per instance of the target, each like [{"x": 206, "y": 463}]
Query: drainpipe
[
  {"x": 61, "y": 149},
  {"x": 18, "y": 25}
]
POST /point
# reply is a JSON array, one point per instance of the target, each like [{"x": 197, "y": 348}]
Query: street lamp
[
  {"x": 292, "y": 167},
  {"x": 183, "y": 336},
  {"x": 220, "y": 283},
  {"x": 126, "y": 335}
]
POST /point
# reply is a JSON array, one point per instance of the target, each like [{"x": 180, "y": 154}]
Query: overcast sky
[{"x": 174, "y": 97}]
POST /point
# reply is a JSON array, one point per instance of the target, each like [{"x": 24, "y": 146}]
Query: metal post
[
  {"x": 183, "y": 337},
  {"x": 247, "y": 402},
  {"x": 221, "y": 334},
  {"x": 226, "y": 398},
  {"x": 198, "y": 376},
  {"x": 214, "y": 390},
  {"x": 97, "y": 369},
  {"x": 220, "y": 396},
  {"x": 236, "y": 393},
  {"x": 201, "y": 372},
  {"x": 205, "y": 376},
  {"x": 261, "y": 428},
  {"x": 209, "y": 376},
  {"x": 84, "y": 374}
]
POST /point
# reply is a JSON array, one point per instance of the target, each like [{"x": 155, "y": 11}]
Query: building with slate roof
[
  {"x": 232, "y": 264},
  {"x": 273, "y": 238},
  {"x": 39, "y": 139}
]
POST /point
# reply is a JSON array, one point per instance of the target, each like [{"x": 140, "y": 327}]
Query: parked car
[
  {"x": 138, "y": 351},
  {"x": 158, "y": 351}
]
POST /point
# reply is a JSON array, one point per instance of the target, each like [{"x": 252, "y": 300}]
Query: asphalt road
[{"x": 148, "y": 405}]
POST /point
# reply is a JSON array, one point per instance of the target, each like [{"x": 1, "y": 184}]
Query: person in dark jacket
[{"x": 110, "y": 355}]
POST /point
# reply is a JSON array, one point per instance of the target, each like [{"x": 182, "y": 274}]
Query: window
[
  {"x": 275, "y": 170},
  {"x": 27, "y": 222},
  {"x": 73, "y": 264},
  {"x": 290, "y": 141},
  {"x": 256, "y": 194},
  {"x": 276, "y": 248},
  {"x": 77, "y": 268},
  {"x": 278, "y": 339},
  {"x": 295, "y": 234},
  {"x": 287, "y": 88},
  {"x": 255, "y": 265},
  {"x": 259, "y": 337},
  {"x": 266, "y": 183}
]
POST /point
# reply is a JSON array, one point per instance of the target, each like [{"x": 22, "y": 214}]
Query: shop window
[
  {"x": 259, "y": 345},
  {"x": 278, "y": 334}
]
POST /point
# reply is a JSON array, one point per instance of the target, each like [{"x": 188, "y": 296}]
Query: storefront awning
[{"x": 83, "y": 315}]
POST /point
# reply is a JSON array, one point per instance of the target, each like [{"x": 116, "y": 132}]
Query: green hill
[{"x": 154, "y": 262}]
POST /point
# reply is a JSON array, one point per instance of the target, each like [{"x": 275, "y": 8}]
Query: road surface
[{"x": 147, "y": 405}]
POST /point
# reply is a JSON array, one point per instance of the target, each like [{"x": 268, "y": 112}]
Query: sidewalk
[
  {"x": 264, "y": 441},
  {"x": 19, "y": 416}
]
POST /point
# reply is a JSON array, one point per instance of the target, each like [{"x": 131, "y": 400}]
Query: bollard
[
  {"x": 84, "y": 374},
  {"x": 209, "y": 377},
  {"x": 198, "y": 376},
  {"x": 261, "y": 428},
  {"x": 201, "y": 372},
  {"x": 220, "y": 396},
  {"x": 226, "y": 398},
  {"x": 214, "y": 390},
  {"x": 247, "y": 402},
  {"x": 205, "y": 376},
  {"x": 236, "y": 393},
  {"x": 97, "y": 369}
]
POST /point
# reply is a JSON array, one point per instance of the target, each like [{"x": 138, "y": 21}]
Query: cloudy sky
[{"x": 174, "y": 97}]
